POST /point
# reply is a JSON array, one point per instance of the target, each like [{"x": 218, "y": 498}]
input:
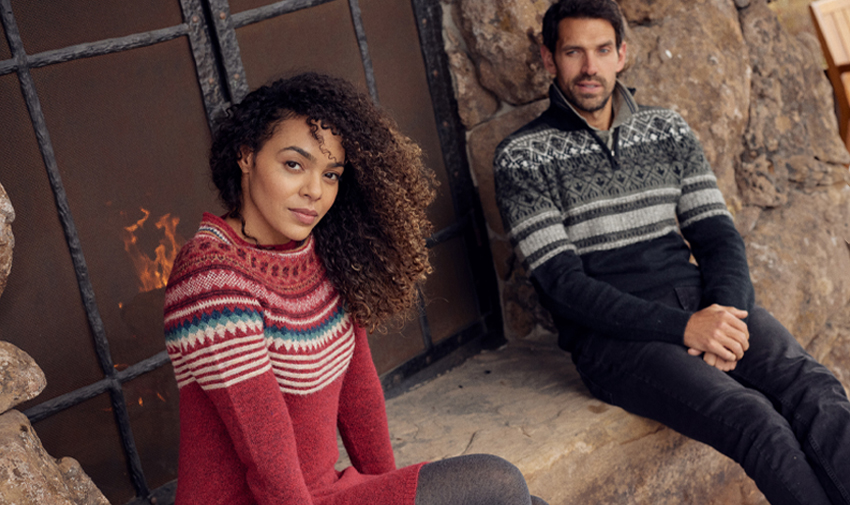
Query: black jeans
[{"x": 780, "y": 414}]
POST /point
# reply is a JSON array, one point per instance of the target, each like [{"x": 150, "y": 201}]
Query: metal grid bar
[
  {"x": 68, "y": 400},
  {"x": 237, "y": 83},
  {"x": 272, "y": 10},
  {"x": 206, "y": 65},
  {"x": 33, "y": 103},
  {"x": 88, "y": 50},
  {"x": 360, "y": 32}
]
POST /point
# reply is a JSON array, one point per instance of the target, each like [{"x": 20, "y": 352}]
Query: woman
[{"x": 266, "y": 308}]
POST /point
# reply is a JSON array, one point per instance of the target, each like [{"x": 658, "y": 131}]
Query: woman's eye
[
  {"x": 333, "y": 176},
  {"x": 293, "y": 165}
]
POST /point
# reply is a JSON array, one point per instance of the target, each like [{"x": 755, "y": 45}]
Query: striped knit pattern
[
  {"x": 558, "y": 192},
  {"x": 234, "y": 312}
]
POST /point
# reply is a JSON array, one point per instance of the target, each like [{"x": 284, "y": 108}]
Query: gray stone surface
[
  {"x": 29, "y": 476},
  {"x": 527, "y": 404},
  {"x": 21, "y": 379}
]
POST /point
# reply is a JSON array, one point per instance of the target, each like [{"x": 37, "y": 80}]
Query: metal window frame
[{"x": 210, "y": 29}]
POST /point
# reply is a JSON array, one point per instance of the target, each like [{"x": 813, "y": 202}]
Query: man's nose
[{"x": 590, "y": 65}]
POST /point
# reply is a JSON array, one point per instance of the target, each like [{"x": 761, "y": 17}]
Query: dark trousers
[{"x": 780, "y": 414}]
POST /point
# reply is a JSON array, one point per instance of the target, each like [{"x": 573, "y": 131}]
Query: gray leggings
[{"x": 476, "y": 479}]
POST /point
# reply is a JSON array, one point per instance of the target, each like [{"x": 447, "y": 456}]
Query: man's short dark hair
[{"x": 582, "y": 9}]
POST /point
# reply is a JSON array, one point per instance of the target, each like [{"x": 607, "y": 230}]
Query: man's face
[{"x": 585, "y": 65}]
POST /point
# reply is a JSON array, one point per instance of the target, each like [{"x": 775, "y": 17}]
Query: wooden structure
[{"x": 832, "y": 22}]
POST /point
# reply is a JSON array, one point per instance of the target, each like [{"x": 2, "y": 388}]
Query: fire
[{"x": 153, "y": 272}]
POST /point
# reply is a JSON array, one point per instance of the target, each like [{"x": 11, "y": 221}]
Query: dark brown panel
[
  {"x": 153, "y": 408},
  {"x": 398, "y": 344},
  {"x": 53, "y": 25},
  {"x": 320, "y": 39},
  {"x": 244, "y": 5},
  {"x": 449, "y": 293},
  {"x": 40, "y": 311},
  {"x": 130, "y": 133},
  {"x": 403, "y": 89},
  {"x": 5, "y": 54},
  {"x": 88, "y": 434}
]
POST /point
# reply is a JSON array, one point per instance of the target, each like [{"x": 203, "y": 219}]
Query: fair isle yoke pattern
[
  {"x": 559, "y": 192},
  {"x": 234, "y": 312}
]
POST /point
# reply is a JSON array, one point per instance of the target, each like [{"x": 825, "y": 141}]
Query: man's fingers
[
  {"x": 694, "y": 352},
  {"x": 740, "y": 314},
  {"x": 710, "y": 358}
]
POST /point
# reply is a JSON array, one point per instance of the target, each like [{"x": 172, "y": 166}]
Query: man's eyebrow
[{"x": 309, "y": 156}]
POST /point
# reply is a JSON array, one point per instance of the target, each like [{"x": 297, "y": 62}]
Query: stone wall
[
  {"x": 759, "y": 102},
  {"x": 28, "y": 475}
]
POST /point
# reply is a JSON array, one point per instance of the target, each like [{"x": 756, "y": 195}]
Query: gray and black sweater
[{"x": 598, "y": 228}]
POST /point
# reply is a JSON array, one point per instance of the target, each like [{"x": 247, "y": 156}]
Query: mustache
[{"x": 594, "y": 78}]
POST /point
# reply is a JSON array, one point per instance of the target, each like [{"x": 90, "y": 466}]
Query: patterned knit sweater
[
  {"x": 269, "y": 365},
  {"x": 599, "y": 229}
]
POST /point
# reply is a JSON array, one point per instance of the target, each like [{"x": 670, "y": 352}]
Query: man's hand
[
  {"x": 713, "y": 360},
  {"x": 719, "y": 331}
]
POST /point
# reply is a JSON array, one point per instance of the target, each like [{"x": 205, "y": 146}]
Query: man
[{"x": 595, "y": 193}]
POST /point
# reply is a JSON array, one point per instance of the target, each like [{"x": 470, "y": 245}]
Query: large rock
[
  {"x": 502, "y": 38},
  {"x": 475, "y": 104},
  {"x": 527, "y": 404},
  {"x": 799, "y": 260},
  {"x": 21, "y": 379},
  {"x": 691, "y": 57},
  {"x": 7, "y": 240},
  {"x": 29, "y": 476}
]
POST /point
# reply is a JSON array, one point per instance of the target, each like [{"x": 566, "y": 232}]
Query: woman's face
[{"x": 290, "y": 183}]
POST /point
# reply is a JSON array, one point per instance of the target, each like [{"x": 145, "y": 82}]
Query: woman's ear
[{"x": 246, "y": 159}]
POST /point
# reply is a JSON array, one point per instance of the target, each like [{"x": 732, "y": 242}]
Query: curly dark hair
[{"x": 372, "y": 240}]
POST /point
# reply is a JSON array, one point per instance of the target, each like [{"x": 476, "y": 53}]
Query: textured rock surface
[
  {"x": 21, "y": 379},
  {"x": 691, "y": 57},
  {"x": 7, "y": 240},
  {"x": 526, "y": 403},
  {"x": 761, "y": 106},
  {"x": 502, "y": 39},
  {"x": 82, "y": 489},
  {"x": 29, "y": 476}
]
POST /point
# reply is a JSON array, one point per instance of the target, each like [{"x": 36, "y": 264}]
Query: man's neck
[{"x": 600, "y": 119}]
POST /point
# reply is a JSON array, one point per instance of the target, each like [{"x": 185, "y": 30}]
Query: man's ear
[
  {"x": 246, "y": 159},
  {"x": 621, "y": 58},
  {"x": 548, "y": 60}
]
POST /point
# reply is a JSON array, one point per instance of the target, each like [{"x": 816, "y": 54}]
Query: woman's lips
[{"x": 305, "y": 216}]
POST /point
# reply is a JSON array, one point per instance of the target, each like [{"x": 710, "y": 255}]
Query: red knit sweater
[{"x": 269, "y": 366}]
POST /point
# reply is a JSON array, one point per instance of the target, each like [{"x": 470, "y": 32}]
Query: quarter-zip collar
[{"x": 623, "y": 108}]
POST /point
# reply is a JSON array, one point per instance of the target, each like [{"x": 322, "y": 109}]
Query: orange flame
[{"x": 153, "y": 273}]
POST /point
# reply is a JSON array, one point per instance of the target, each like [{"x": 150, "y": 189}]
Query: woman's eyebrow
[{"x": 309, "y": 156}]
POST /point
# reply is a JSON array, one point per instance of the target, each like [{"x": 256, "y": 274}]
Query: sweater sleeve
[
  {"x": 535, "y": 225},
  {"x": 214, "y": 334},
  {"x": 707, "y": 225},
  {"x": 362, "y": 418}
]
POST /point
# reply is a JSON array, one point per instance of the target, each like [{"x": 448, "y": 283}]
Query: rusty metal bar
[
  {"x": 8, "y": 66},
  {"x": 360, "y": 32},
  {"x": 206, "y": 65},
  {"x": 106, "y": 46},
  {"x": 272, "y": 10},
  {"x": 237, "y": 84},
  {"x": 68, "y": 400}
]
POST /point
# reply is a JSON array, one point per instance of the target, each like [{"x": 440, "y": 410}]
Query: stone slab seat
[{"x": 526, "y": 403}]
